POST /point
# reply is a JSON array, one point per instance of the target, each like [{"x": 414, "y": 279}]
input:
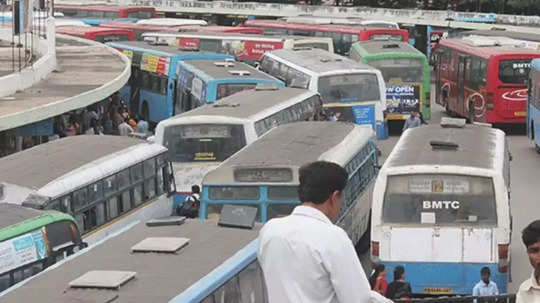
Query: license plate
[
  {"x": 394, "y": 116},
  {"x": 520, "y": 114},
  {"x": 437, "y": 290}
]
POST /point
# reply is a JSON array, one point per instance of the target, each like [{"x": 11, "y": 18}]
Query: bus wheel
[{"x": 145, "y": 112}]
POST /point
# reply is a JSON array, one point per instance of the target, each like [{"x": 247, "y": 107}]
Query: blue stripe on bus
[
  {"x": 221, "y": 274},
  {"x": 460, "y": 277}
]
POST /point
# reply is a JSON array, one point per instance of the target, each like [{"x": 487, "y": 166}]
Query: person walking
[
  {"x": 529, "y": 290},
  {"x": 413, "y": 121},
  {"x": 485, "y": 287},
  {"x": 378, "y": 280},
  {"x": 304, "y": 256},
  {"x": 399, "y": 289}
]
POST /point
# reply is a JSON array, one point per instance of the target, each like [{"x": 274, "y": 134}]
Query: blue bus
[
  {"x": 533, "y": 104},
  {"x": 264, "y": 174},
  {"x": 205, "y": 81},
  {"x": 150, "y": 91}
]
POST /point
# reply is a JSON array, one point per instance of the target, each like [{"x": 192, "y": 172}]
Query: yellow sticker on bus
[{"x": 437, "y": 290}]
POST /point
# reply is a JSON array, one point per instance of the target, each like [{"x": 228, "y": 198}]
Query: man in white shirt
[
  {"x": 304, "y": 256},
  {"x": 529, "y": 291},
  {"x": 485, "y": 287}
]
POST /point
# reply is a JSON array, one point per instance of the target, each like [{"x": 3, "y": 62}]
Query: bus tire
[{"x": 145, "y": 113}]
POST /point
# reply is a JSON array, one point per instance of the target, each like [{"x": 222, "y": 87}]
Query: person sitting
[{"x": 190, "y": 207}]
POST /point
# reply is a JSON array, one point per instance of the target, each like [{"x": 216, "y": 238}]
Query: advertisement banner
[
  {"x": 188, "y": 43},
  {"x": 402, "y": 98},
  {"x": 364, "y": 114},
  {"x": 22, "y": 250},
  {"x": 155, "y": 64},
  {"x": 253, "y": 50}
]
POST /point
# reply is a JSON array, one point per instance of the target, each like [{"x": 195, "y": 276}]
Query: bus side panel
[{"x": 157, "y": 105}]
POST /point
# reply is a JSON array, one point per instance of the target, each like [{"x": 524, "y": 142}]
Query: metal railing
[{"x": 506, "y": 298}]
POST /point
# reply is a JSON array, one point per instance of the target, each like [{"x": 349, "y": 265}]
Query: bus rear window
[
  {"x": 203, "y": 142},
  {"x": 386, "y": 37},
  {"x": 349, "y": 88},
  {"x": 514, "y": 71},
  {"x": 439, "y": 200},
  {"x": 224, "y": 90},
  {"x": 234, "y": 192},
  {"x": 402, "y": 69}
]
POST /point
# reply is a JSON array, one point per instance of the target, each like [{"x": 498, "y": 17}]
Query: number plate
[
  {"x": 438, "y": 290},
  {"x": 394, "y": 116},
  {"x": 520, "y": 114}
]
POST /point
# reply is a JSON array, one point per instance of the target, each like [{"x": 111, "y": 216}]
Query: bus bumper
[
  {"x": 382, "y": 130},
  {"x": 437, "y": 278}
]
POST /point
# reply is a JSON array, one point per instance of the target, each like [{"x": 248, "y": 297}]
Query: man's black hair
[
  {"x": 398, "y": 272},
  {"x": 318, "y": 180},
  {"x": 531, "y": 233},
  {"x": 485, "y": 271},
  {"x": 195, "y": 189}
]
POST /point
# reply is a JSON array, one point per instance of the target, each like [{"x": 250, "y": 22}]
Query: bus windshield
[
  {"x": 349, "y": 88},
  {"x": 224, "y": 90},
  {"x": 439, "y": 200},
  {"x": 405, "y": 70},
  {"x": 203, "y": 142},
  {"x": 514, "y": 71}
]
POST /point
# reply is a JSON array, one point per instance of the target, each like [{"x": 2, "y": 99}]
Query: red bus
[
  {"x": 97, "y": 14},
  {"x": 342, "y": 35},
  {"x": 483, "y": 79},
  {"x": 100, "y": 34}
]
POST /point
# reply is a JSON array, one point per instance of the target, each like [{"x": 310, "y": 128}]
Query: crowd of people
[{"x": 110, "y": 117}]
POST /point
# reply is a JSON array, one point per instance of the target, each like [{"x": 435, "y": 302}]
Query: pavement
[{"x": 83, "y": 76}]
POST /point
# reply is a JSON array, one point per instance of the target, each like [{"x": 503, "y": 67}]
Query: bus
[
  {"x": 140, "y": 29},
  {"x": 533, "y": 104},
  {"x": 100, "y": 34},
  {"x": 351, "y": 90},
  {"x": 104, "y": 182},
  {"x": 264, "y": 174},
  {"x": 200, "y": 139},
  {"x": 483, "y": 80},
  {"x": 407, "y": 74},
  {"x": 161, "y": 273},
  {"x": 96, "y": 14},
  {"x": 342, "y": 35},
  {"x": 205, "y": 81},
  {"x": 445, "y": 188},
  {"x": 150, "y": 90},
  {"x": 341, "y": 21},
  {"x": 31, "y": 240},
  {"x": 248, "y": 48}
]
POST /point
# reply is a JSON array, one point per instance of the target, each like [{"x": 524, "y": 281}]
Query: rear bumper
[
  {"x": 516, "y": 117},
  {"x": 446, "y": 278}
]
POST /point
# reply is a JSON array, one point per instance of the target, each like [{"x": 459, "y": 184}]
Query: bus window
[
  {"x": 95, "y": 191},
  {"x": 224, "y": 90},
  {"x": 213, "y": 210},
  {"x": 210, "y": 45},
  {"x": 406, "y": 70},
  {"x": 110, "y": 15},
  {"x": 349, "y": 88},
  {"x": 149, "y": 175},
  {"x": 296, "y": 78},
  {"x": 234, "y": 193},
  {"x": 439, "y": 199},
  {"x": 514, "y": 71},
  {"x": 282, "y": 193},
  {"x": 140, "y": 14},
  {"x": 203, "y": 142},
  {"x": 80, "y": 198}
]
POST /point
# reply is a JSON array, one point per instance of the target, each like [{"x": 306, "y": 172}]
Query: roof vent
[
  {"x": 224, "y": 64},
  {"x": 443, "y": 145},
  {"x": 338, "y": 59},
  {"x": 107, "y": 279},
  {"x": 325, "y": 60},
  {"x": 239, "y": 72},
  {"x": 166, "y": 221},
  {"x": 266, "y": 86},
  {"x": 160, "y": 244},
  {"x": 452, "y": 122},
  {"x": 496, "y": 28},
  {"x": 301, "y": 48},
  {"x": 217, "y": 104},
  {"x": 391, "y": 46}
]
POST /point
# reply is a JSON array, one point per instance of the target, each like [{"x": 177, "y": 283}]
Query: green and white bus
[
  {"x": 31, "y": 240},
  {"x": 405, "y": 71}
]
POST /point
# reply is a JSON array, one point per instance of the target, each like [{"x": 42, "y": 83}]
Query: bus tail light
[
  {"x": 489, "y": 101},
  {"x": 503, "y": 258},
  {"x": 374, "y": 248},
  {"x": 428, "y": 99}
]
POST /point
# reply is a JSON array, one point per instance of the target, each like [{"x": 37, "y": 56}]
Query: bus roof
[
  {"x": 213, "y": 70},
  {"x": 478, "y": 147},
  {"x": 164, "y": 50},
  {"x": 487, "y": 51},
  {"x": 224, "y": 35},
  {"x": 318, "y": 60},
  {"x": 504, "y": 33},
  {"x": 39, "y": 166},
  {"x": 293, "y": 145},
  {"x": 171, "y": 22},
  {"x": 350, "y": 29},
  {"x": 16, "y": 220},
  {"x": 159, "y": 276},
  {"x": 81, "y": 30},
  {"x": 373, "y": 47},
  {"x": 106, "y": 8}
]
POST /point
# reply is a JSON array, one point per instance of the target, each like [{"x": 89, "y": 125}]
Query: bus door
[{"x": 460, "y": 105}]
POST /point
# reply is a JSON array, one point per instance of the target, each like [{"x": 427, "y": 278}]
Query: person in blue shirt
[{"x": 485, "y": 287}]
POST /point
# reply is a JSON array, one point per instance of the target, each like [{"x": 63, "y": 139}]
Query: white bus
[
  {"x": 198, "y": 140},
  {"x": 265, "y": 173},
  {"x": 104, "y": 182},
  {"x": 441, "y": 207},
  {"x": 171, "y": 22},
  {"x": 351, "y": 91}
]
